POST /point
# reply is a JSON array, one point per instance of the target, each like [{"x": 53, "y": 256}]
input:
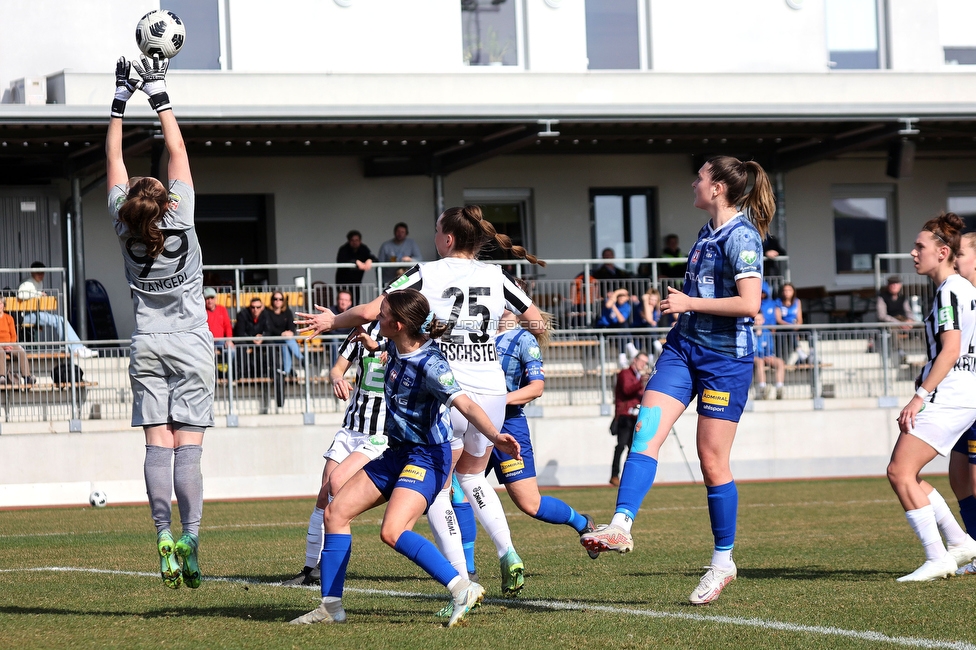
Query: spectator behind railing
[
  {"x": 399, "y": 249},
  {"x": 766, "y": 356},
  {"x": 893, "y": 305},
  {"x": 354, "y": 251},
  {"x": 789, "y": 311},
  {"x": 33, "y": 287},
  {"x": 281, "y": 322},
  {"x": 8, "y": 345},
  {"x": 252, "y": 323},
  {"x": 218, "y": 320},
  {"x": 771, "y": 250},
  {"x": 674, "y": 269},
  {"x": 616, "y": 310},
  {"x": 608, "y": 271}
]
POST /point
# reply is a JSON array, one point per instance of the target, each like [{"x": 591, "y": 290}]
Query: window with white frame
[
  {"x": 613, "y": 35},
  {"x": 956, "y": 31},
  {"x": 490, "y": 32},
  {"x": 202, "y": 49},
  {"x": 962, "y": 201},
  {"x": 855, "y": 35},
  {"x": 862, "y": 225},
  {"x": 623, "y": 220}
]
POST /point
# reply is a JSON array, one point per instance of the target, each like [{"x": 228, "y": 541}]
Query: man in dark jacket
[
  {"x": 253, "y": 323},
  {"x": 354, "y": 251},
  {"x": 626, "y": 400}
]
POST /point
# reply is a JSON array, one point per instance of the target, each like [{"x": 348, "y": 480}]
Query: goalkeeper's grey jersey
[{"x": 167, "y": 291}]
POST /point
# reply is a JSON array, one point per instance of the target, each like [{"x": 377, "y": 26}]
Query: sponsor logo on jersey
[
  {"x": 447, "y": 379},
  {"x": 413, "y": 472},
  {"x": 535, "y": 353},
  {"x": 393, "y": 373},
  {"x": 748, "y": 257},
  {"x": 371, "y": 380},
  {"x": 174, "y": 201},
  {"x": 512, "y": 466},
  {"x": 965, "y": 363},
  {"x": 119, "y": 200},
  {"x": 700, "y": 279},
  {"x": 400, "y": 281},
  {"x": 716, "y": 397},
  {"x": 946, "y": 315},
  {"x": 694, "y": 256}
]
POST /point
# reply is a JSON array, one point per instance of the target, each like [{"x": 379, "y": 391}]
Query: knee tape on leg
[{"x": 648, "y": 420}]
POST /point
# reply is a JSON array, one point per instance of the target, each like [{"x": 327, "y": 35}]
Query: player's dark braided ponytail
[
  {"x": 472, "y": 232},
  {"x": 410, "y": 307},
  {"x": 142, "y": 211}
]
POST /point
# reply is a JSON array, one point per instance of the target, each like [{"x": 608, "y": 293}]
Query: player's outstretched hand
[
  {"x": 153, "y": 73},
  {"x": 315, "y": 323},
  {"x": 507, "y": 443},
  {"x": 124, "y": 86}
]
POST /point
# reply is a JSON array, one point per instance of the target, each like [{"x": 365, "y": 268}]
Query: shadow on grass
[
  {"x": 811, "y": 572},
  {"x": 270, "y": 614}
]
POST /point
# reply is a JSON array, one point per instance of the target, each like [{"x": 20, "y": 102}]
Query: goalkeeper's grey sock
[
  {"x": 158, "y": 469},
  {"x": 188, "y": 480}
]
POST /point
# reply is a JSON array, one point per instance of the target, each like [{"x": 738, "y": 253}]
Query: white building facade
[{"x": 580, "y": 122}]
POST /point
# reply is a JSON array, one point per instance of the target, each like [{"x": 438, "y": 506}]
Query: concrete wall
[
  {"x": 317, "y": 200},
  {"x": 280, "y": 457}
]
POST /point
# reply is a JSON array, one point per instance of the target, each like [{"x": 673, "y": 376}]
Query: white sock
[
  {"x": 779, "y": 384},
  {"x": 620, "y": 520},
  {"x": 315, "y": 539},
  {"x": 458, "y": 585},
  {"x": 488, "y": 510},
  {"x": 948, "y": 526},
  {"x": 923, "y": 523},
  {"x": 447, "y": 533},
  {"x": 722, "y": 559},
  {"x": 762, "y": 386}
]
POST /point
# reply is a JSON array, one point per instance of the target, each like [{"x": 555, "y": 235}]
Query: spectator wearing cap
[
  {"x": 218, "y": 320},
  {"x": 893, "y": 305}
]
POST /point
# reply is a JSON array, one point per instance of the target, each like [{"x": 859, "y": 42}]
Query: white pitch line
[{"x": 820, "y": 630}]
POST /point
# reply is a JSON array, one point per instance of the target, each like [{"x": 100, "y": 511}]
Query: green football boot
[
  {"x": 169, "y": 568},
  {"x": 186, "y": 551},
  {"x": 513, "y": 574}
]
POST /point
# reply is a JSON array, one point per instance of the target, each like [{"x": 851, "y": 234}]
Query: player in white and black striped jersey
[
  {"x": 942, "y": 409},
  {"x": 360, "y": 440}
]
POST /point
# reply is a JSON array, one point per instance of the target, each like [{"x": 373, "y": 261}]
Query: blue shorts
[
  {"x": 686, "y": 370},
  {"x": 967, "y": 444},
  {"x": 507, "y": 469},
  {"x": 421, "y": 468}
]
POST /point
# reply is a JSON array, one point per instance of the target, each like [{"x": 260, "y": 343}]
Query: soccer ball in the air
[
  {"x": 98, "y": 499},
  {"x": 160, "y": 32}
]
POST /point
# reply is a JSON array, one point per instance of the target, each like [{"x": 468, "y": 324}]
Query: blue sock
[
  {"x": 469, "y": 531},
  {"x": 635, "y": 482},
  {"x": 425, "y": 555},
  {"x": 967, "y": 510},
  {"x": 333, "y": 563},
  {"x": 723, "y": 505},
  {"x": 555, "y": 511}
]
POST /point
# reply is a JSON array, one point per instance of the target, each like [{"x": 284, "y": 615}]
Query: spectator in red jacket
[
  {"x": 8, "y": 344},
  {"x": 218, "y": 320},
  {"x": 626, "y": 400}
]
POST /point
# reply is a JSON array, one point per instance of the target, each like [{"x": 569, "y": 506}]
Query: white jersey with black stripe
[
  {"x": 953, "y": 308},
  {"x": 367, "y": 409},
  {"x": 470, "y": 296}
]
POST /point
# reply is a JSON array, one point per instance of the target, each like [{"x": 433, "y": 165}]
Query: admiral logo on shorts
[
  {"x": 714, "y": 400},
  {"x": 512, "y": 467},
  {"x": 413, "y": 472}
]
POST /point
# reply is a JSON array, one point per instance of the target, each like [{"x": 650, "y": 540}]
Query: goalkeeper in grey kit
[{"x": 171, "y": 360}]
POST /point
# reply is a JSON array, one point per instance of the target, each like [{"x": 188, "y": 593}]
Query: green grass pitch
[{"x": 817, "y": 567}]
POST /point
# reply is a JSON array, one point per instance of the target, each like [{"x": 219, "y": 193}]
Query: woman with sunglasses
[{"x": 281, "y": 322}]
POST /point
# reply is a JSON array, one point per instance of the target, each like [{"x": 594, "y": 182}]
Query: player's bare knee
[{"x": 390, "y": 535}]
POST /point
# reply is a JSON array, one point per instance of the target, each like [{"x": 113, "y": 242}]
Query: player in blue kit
[
  {"x": 420, "y": 391},
  {"x": 171, "y": 358},
  {"x": 709, "y": 356}
]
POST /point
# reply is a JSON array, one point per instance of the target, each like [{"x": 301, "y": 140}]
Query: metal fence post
[
  {"x": 232, "y": 420},
  {"x": 818, "y": 399},
  {"x": 604, "y": 406},
  {"x": 74, "y": 424}
]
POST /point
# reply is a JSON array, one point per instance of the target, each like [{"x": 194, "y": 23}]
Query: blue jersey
[
  {"x": 419, "y": 390},
  {"x": 765, "y": 344},
  {"x": 521, "y": 360},
  {"x": 719, "y": 258}
]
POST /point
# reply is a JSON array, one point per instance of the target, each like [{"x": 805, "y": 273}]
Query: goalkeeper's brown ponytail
[{"x": 142, "y": 211}]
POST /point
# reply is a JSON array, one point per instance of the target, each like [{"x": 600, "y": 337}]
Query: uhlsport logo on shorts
[
  {"x": 716, "y": 397},
  {"x": 512, "y": 466},
  {"x": 413, "y": 472}
]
